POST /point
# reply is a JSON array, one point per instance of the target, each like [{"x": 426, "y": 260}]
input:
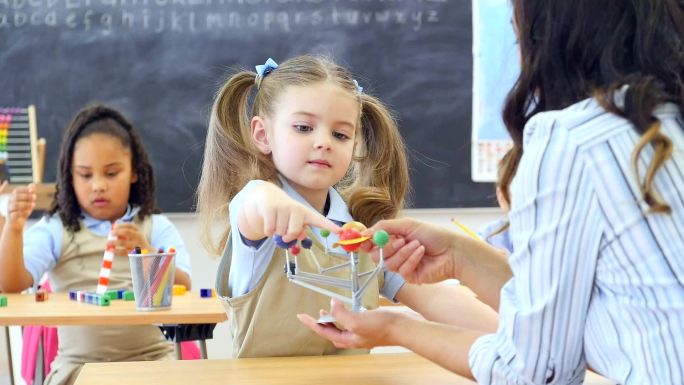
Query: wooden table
[
  {"x": 395, "y": 369},
  {"x": 59, "y": 310},
  {"x": 368, "y": 369}
]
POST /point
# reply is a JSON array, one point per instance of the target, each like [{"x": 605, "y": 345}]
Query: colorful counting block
[
  {"x": 3, "y": 301},
  {"x": 206, "y": 293},
  {"x": 41, "y": 296},
  {"x": 102, "y": 301},
  {"x": 128, "y": 295},
  {"x": 112, "y": 295},
  {"x": 121, "y": 293},
  {"x": 179, "y": 289},
  {"x": 73, "y": 295},
  {"x": 96, "y": 299}
]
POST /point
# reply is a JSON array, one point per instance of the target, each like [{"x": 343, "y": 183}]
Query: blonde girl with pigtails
[{"x": 293, "y": 149}]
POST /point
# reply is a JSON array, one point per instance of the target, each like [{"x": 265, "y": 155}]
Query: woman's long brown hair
[{"x": 573, "y": 50}]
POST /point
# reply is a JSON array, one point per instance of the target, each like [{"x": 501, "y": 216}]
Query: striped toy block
[
  {"x": 96, "y": 299},
  {"x": 89, "y": 298}
]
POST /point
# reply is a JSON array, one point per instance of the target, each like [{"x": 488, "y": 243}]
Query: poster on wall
[{"x": 495, "y": 69}]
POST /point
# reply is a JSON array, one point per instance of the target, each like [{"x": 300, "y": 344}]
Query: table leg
[
  {"x": 9, "y": 354},
  {"x": 189, "y": 332},
  {"x": 179, "y": 352},
  {"x": 39, "y": 370},
  {"x": 203, "y": 349}
]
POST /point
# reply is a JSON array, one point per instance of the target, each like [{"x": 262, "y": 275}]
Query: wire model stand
[{"x": 350, "y": 241}]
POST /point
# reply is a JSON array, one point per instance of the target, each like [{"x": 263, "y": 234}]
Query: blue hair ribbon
[
  {"x": 266, "y": 68},
  {"x": 358, "y": 87}
]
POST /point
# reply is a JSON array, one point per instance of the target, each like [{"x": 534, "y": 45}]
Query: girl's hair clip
[
  {"x": 264, "y": 69},
  {"x": 358, "y": 87}
]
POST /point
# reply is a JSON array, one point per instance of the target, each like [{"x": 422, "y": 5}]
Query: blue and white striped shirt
[{"x": 597, "y": 280}]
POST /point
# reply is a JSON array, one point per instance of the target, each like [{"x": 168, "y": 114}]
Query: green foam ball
[{"x": 381, "y": 238}]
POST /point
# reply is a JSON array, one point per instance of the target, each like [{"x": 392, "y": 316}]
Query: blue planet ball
[
  {"x": 282, "y": 244},
  {"x": 307, "y": 243}
]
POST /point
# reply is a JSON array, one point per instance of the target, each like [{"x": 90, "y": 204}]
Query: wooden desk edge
[{"x": 100, "y": 316}]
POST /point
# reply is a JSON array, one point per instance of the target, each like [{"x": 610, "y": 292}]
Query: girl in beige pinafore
[
  {"x": 105, "y": 186},
  {"x": 293, "y": 148}
]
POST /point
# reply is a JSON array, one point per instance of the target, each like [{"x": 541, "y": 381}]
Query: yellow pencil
[{"x": 465, "y": 229}]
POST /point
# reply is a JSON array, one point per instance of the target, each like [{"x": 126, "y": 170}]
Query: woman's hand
[
  {"x": 446, "y": 345},
  {"x": 21, "y": 205},
  {"x": 367, "y": 329},
  {"x": 424, "y": 253},
  {"x": 420, "y": 252},
  {"x": 269, "y": 211},
  {"x": 128, "y": 236}
]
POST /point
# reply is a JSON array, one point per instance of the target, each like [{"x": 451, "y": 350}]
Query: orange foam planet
[{"x": 350, "y": 237}]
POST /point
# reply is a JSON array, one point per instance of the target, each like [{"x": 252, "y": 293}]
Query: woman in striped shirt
[{"x": 597, "y": 218}]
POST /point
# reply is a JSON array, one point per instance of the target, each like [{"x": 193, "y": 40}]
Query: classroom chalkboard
[{"x": 161, "y": 61}]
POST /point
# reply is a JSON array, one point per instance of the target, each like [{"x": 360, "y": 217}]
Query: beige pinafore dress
[
  {"x": 78, "y": 269},
  {"x": 263, "y": 322}
]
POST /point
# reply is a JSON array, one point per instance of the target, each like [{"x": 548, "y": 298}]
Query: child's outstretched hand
[
  {"x": 128, "y": 236},
  {"x": 21, "y": 205},
  {"x": 269, "y": 210}
]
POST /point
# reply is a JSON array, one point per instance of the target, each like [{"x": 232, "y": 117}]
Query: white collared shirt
[{"x": 249, "y": 263}]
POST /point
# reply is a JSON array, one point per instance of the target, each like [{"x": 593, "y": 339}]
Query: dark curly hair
[
  {"x": 100, "y": 119},
  {"x": 573, "y": 50}
]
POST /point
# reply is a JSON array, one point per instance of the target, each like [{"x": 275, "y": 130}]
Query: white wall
[{"x": 204, "y": 268}]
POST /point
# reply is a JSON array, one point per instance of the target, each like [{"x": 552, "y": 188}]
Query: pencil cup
[{"x": 153, "y": 277}]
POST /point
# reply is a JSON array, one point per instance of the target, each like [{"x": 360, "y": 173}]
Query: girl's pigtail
[
  {"x": 227, "y": 151},
  {"x": 381, "y": 169},
  {"x": 507, "y": 169}
]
